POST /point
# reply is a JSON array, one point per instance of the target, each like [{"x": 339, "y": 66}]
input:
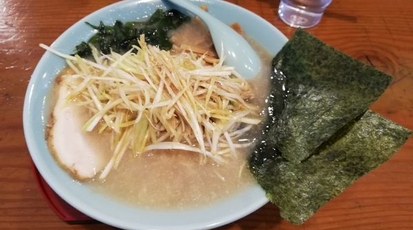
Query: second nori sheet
[
  {"x": 299, "y": 190},
  {"x": 325, "y": 89}
]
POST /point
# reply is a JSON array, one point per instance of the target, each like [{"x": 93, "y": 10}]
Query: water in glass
[{"x": 302, "y": 13}]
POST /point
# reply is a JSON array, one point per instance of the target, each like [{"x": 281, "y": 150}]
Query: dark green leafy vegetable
[
  {"x": 299, "y": 190},
  {"x": 122, "y": 36},
  {"x": 325, "y": 89}
]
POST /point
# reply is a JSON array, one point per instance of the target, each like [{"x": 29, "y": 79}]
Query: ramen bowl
[{"x": 100, "y": 206}]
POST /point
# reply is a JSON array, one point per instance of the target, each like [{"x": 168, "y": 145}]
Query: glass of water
[{"x": 302, "y": 13}]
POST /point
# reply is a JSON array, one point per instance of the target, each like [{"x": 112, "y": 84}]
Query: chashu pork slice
[{"x": 83, "y": 154}]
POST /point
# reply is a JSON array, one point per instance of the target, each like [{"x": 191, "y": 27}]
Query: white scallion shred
[{"x": 151, "y": 99}]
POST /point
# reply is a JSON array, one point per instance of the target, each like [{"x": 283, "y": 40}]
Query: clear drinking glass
[{"x": 302, "y": 13}]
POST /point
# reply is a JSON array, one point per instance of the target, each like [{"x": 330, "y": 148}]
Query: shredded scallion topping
[{"x": 154, "y": 99}]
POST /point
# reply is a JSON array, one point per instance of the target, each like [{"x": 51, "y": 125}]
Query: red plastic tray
[{"x": 64, "y": 210}]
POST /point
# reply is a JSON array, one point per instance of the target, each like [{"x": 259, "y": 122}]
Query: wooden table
[{"x": 378, "y": 32}]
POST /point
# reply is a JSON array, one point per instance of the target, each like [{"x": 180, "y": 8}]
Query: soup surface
[
  {"x": 173, "y": 179},
  {"x": 176, "y": 179}
]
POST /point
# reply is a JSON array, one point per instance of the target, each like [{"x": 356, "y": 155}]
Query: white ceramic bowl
[{"x": 81, "y": 196}]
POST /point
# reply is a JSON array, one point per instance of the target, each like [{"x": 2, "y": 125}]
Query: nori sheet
[
  {"x": 325, "y": 89},
  {"x": 299, "y": 190}
]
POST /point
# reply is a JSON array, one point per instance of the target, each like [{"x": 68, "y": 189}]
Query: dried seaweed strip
[
  {"x": 299, "y": 190},
  {"x": 325, "y": 90}
]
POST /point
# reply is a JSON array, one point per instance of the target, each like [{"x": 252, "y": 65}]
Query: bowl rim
[{"x": 34, "y": 132}]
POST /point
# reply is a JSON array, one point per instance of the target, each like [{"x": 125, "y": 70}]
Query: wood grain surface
[{"x": 378, "y": 32}]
